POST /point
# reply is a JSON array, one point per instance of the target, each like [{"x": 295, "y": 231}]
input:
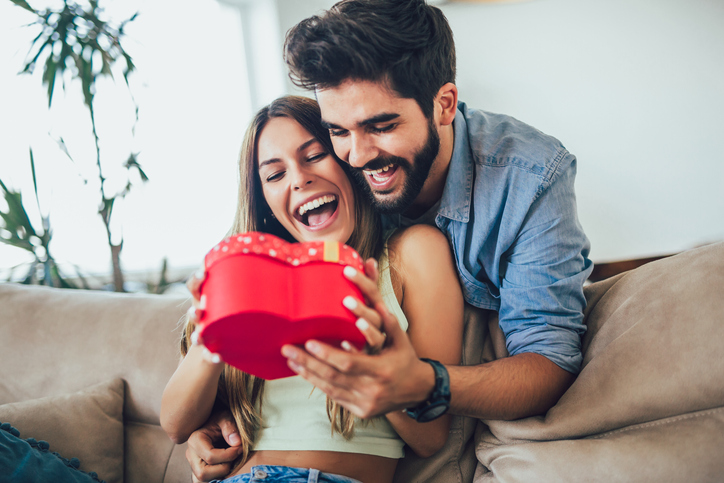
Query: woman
[{"x": 293, "y": 186}]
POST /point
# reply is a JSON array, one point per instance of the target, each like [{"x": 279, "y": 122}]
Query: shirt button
[{"x": 260, "y": 475}]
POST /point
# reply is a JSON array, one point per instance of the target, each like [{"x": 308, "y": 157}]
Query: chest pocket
[{"x": 476, "y": 292}]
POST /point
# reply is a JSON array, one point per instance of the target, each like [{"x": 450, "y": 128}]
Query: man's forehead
[{"x": 358, "y": 102}]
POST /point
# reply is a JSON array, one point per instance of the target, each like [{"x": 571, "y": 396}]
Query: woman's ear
[{"x": 446, "y": 104}]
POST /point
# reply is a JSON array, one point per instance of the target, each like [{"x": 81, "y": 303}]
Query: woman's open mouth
[{"x": 317, "y": 213}]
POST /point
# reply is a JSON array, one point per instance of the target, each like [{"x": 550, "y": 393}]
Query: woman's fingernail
[
  {"x": 313, "y": 347},
  {"x": 374, "y": 262},
  {"x": 349, "y": 272},
  {"x": 346, "y": 346},
  {"x": 234, "y": 439},
  {"x": 191, "y": 313},
  {"x": 294, "y": 366},
  {"x": 362, "y": 324},
  {"x": 202, "y": 302},
  {"x": 349, "y": 302}
]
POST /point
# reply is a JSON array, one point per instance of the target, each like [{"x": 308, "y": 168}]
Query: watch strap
[{"x": 439, "y": 401}]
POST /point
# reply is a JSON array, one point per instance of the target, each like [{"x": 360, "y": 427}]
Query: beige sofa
[{"x": 85, "y": 370}]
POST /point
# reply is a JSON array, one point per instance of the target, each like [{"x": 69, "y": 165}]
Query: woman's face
[{"x": 306, "y": 189}]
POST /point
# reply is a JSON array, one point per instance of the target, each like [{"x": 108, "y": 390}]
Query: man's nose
[{"x": 361, "y": 151}]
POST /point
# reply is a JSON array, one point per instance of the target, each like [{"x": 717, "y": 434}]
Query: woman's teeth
[{"x": 315, "y": 204}]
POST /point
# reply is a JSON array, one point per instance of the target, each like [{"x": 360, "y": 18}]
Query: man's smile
[{"x": 381, "y": 178}]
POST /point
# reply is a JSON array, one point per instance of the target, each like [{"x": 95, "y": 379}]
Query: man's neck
[{"x": 435, "y": 183}]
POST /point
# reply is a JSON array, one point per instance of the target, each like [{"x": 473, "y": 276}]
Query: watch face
[{"x": 433, "y": 411}]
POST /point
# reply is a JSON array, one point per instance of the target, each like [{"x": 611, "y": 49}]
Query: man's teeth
[
  {"x": 310, "y": 205},
  {"x": 373, "y": 172}
]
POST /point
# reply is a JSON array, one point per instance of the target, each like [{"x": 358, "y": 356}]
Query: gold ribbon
[{"x": 331, "y": 251}]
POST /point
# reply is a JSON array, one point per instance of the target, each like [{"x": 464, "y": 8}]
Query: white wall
[{"x": 634, "y": 88}]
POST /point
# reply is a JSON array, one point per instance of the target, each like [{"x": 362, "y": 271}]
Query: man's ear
[{"x": 446, "y": 104}]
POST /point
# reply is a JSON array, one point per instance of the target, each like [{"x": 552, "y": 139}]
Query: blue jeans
[{"x": 274, "y": 474}]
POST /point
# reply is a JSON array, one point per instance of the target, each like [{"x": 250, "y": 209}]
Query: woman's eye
[
  {"x": 316, "y": 157},
  {"x": 275, "y": 176}
]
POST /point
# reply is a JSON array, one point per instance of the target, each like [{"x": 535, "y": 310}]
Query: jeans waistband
[{"x": 274, "y": 474}]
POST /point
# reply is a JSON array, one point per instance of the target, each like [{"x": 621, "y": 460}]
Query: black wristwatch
[{"x": 439, "y": 401}]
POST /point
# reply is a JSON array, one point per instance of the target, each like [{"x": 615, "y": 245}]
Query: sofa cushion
[
  {"x": 87, "y": 425},
  {"x": 653, "y": 374},
  {"x": 87, "y": 337},
  {"x": 682, "y": 448}
]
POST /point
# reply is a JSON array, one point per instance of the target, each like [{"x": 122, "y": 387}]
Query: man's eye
[
  {"x": 337, "y": 132},
  {"x": 387, "y": 128}
]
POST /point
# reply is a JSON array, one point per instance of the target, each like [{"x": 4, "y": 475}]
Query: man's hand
[
  {"x": 207, "y": 461},
  {"x": 367, "y": 385}
]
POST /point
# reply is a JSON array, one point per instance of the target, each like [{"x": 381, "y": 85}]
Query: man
[{"x": 383, "y": 72}]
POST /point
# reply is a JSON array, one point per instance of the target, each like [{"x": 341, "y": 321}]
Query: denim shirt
[{"x": 509, "y": 211}]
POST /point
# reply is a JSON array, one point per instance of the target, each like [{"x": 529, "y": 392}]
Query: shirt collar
[{"x": 455, "y": 201}]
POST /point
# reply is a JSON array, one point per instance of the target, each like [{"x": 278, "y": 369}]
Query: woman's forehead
[{"x": 282, "y": 137}]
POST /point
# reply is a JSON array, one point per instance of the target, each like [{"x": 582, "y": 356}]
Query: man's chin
[{"x": 389, "y": 202}]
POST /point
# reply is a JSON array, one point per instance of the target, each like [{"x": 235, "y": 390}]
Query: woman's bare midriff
[{"x": 363, "y": 467}]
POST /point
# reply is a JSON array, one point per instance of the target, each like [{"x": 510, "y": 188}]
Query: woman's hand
[
  {"x": 196, "y": 310},
  {"x": 369, "y": 320}
]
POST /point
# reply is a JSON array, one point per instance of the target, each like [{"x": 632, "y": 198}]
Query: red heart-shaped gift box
[{"x": 262, "y": 292}]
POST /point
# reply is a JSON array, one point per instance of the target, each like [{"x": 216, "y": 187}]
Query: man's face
[{"x": 386, "y": 139}]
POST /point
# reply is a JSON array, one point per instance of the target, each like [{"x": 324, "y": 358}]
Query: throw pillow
[
  {"x": 87, "y": 425},
  {"x": 30, "y": 461}
]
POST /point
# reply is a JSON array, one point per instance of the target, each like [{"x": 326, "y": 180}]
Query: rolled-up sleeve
[{"x": 542, "y": 276}]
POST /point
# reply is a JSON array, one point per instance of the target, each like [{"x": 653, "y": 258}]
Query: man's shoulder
[{"x": 499, "y": 140}]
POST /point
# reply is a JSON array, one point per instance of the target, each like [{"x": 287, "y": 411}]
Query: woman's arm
[
  {"x": 189, "y": 395},
  {"x": 426, "y": 284}
]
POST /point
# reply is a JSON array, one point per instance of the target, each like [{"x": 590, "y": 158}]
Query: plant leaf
[
  {"x": 132, "y": 162},
  {"x": 35, "y": 180},
  {"x": 16, "y": 221},
  {"x": 24, "y": 4}
]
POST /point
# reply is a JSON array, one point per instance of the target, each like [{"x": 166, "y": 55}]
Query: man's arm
[
  {"x": 206, "y": 460},
  {"x": 370, "y": 385},
  {"x": 511, "y": 388}
]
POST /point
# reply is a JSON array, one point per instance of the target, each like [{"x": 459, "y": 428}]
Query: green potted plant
[{"x": 77, "y": 45}]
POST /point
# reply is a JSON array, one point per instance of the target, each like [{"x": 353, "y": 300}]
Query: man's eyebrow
[
  {"x": 384, "y": 117},
  {"x": 328, "y": 125}
]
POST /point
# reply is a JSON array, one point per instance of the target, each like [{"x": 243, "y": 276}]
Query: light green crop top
[{"x": 295, "y": 417}]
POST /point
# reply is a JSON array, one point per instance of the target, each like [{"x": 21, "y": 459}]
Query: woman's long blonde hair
[{"x": 242, "y": 392}]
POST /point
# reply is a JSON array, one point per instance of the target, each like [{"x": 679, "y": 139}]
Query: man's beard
[{"x": 415, "y": 175}]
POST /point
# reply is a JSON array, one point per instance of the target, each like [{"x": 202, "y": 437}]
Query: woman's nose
[
  {"x": 298, "y": 186},
  {"x": 301, "y": 179}
]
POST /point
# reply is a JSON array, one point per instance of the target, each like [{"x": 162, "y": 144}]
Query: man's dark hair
[{"x": 406, "y": 43}]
